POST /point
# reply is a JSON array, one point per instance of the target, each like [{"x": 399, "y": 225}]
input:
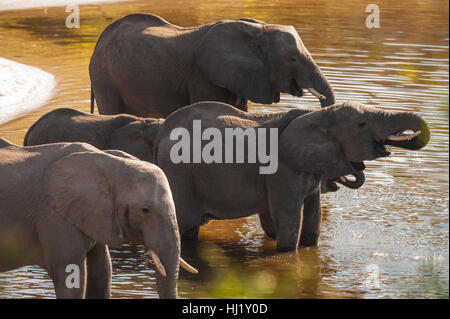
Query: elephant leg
[
  {"x": 109, "y": 100},
  {"x": 98, "y": 273},
  {"x": 189, "y": 211},
  {"x": 285, "y": 197},
  {"x": 64, "y": 249},
  {"x": 239, "y": 102},
  {"x": 191, "y": 234},
  {"x": 267, "y": 224},
  {"x": 69, "y": 277},
  {"x": 288, "y": 222},
  {"x": 312, "y": 217}
]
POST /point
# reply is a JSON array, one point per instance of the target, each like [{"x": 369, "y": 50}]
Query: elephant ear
[
  {"x": 306, "y": 145},
  {"x": 81, "y": 193},
  {"x": 229, "y": 56}
]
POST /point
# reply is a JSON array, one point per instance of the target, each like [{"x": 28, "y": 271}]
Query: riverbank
[{"x": 22, "y": 88}]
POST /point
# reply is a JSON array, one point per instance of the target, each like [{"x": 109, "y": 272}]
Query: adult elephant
[
  {"x": 146, "y": 66},
  {"x": 124, "y": 132},
  {"x": 332, "y": 141},
  {"x": 62, "y": 204}
]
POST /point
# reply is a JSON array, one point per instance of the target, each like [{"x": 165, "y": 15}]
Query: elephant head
[
  {"x": 336, "y": 140},
  {"x": 258, "y": 61},
  {"x": 126, "y": 200},
  {"x": 137, "y": 138}
]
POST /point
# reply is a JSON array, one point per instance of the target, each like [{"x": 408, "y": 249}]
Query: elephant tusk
[
  {"x": 316, "y": 94},
  {"x": 403, "y": 137},
  {"x": 188, "y": 267},
  {"x": 157, "y": 263}
]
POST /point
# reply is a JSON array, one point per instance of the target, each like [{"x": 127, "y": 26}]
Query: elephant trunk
[
  {"x": 318, "y": 85},
  {"x": 167, "y": 278},
  {"x": 167, "y": 282},
  {"x": 322, "y": 85},
  {"x": 164, "y": 248},
  {"x": 353, "y": 184},
  {"x": 398, "y": 123}
]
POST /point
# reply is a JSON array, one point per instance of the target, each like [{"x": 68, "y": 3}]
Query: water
[{"x": 389, "y": 239}]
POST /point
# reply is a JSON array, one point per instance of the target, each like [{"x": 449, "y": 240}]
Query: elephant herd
[{"x": 83, "y": 182}]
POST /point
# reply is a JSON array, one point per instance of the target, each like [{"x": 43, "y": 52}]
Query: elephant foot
[{"x": 309, "y": 239}]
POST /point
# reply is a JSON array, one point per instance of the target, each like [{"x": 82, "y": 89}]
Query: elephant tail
[{"x": 92, "y": 100}]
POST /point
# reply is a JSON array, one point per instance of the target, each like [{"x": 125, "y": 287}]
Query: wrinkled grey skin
[
  {"x": 123, "y": 132},
  {"x": 63, "y": 203},
  {"x": 332, "y": 141},
  {"x": 146, "y": 66}
]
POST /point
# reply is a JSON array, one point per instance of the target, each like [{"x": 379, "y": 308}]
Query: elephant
[
  {"x": 146, "y": 66},
  {"x": 333, "y": 141},
  {"x": 63, "y": 204},
  {"x": 123, "y": 132}
]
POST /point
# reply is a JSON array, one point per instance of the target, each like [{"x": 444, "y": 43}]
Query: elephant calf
[
  {"x": 61, "y": 205},
  {"x": 124, "y": 132},
  {"x": 332, "y": 141}
]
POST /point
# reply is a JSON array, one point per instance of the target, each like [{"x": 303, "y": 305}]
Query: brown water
[{"x": 398, "y": 221}]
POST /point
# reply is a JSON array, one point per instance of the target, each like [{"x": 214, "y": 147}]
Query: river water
[{"x": 389, "y": 239}]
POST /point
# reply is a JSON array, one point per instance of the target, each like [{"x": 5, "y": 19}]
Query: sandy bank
[
  {"x": 22, "y": 88},
  {"x": 24, "y": 4}
]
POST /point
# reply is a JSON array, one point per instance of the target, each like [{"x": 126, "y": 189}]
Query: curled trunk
[
  {"x": 353, "y": 184},
  {"x": 400, "y": 122}
]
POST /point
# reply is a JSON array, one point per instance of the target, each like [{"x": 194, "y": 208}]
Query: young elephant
[
  {"x": 332, "y": 141},
  {"x": 62, "y": 204},
  {"x": 123, "y": 132}
]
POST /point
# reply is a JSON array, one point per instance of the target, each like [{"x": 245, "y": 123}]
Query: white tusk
[
  {"x": 316, "y": 94},
  {"x": 403, "y": 137},
  {"x": 188, "y": 267},
  {"x": 157, "y": 263}
]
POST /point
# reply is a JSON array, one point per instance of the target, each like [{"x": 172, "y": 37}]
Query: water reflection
[{"x": 398, "y": 220}]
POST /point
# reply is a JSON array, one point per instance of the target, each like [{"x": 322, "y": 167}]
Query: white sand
[
  {"x": 22, "y": 88},
  {"x": 23, "y": 4}
]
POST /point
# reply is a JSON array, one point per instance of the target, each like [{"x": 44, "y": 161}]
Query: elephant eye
[
  {"x": 294, "y": 59},
  {"x": 361, "y": 124},
  {"x": 145, "y": 210}
]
